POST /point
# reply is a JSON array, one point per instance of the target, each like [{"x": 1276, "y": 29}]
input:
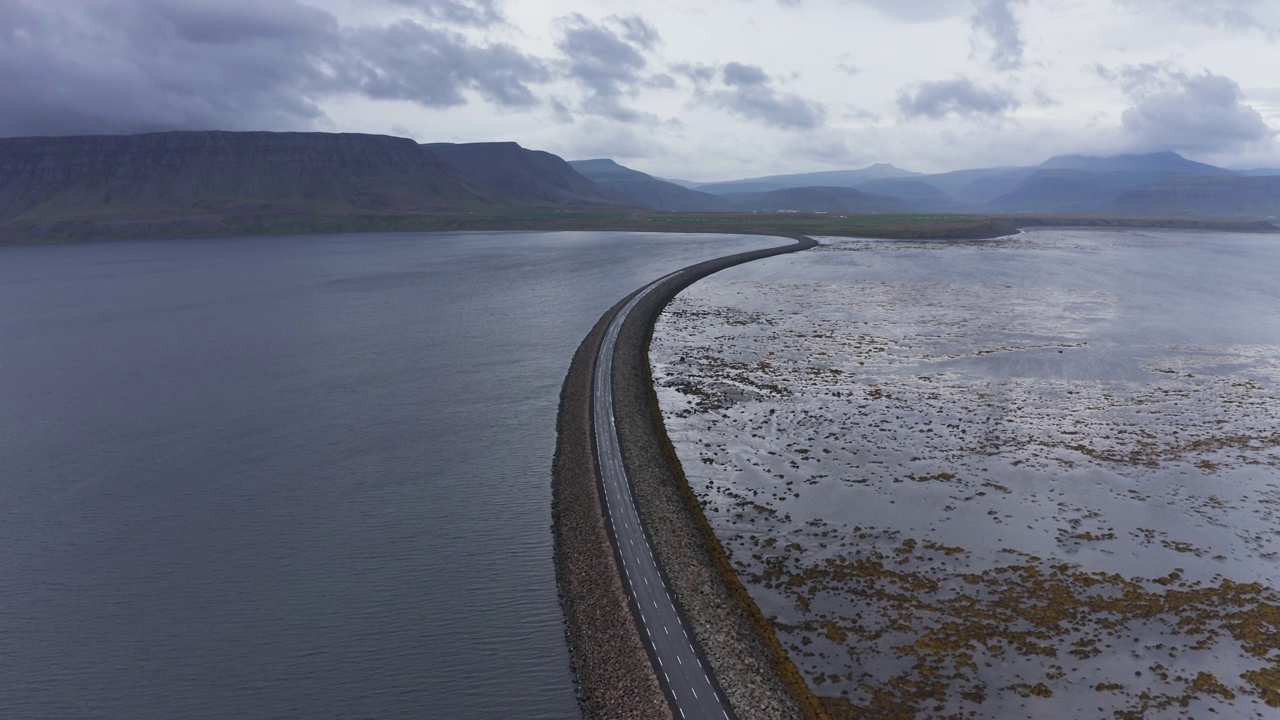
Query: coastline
[
  {"x": 615, "y": 678},
  {"x": 913, "y": 227}
]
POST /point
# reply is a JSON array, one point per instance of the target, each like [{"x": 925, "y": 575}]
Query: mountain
[
  {"x": 1168, "y": 163},
  {"x": 648, "y": 190},
  {"x": 831, "y": 178},
  {"x": 979, "y": 185},
  {"x": 1205, "y": 196},
  {"x": 1081, "y": 183},
  {"x": 1067, "y": 191},
  {"x": 916, "y": 192},
  {"x": 1257, "y": 172},
  {"x": 820, "y": 199},
  {"x": 688, "y": 184},
  {"x": 531, "y": 175},
  {"x": 210, "y": 173}
]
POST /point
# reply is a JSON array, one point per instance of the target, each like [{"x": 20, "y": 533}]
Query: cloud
[
  {"x": 915, "y": 11},
  {"x": 997, "y": 33},
  {"x": 81, "y": 66},
  {"x": 747, "y": 91},
  {"x": 479, "y": 13},
  {"x": 434, "y": 67},
  {"x": 954, "y": 97},
  {"x": 1226, "y": 14},
  {"x": 608, "y": 59},
  {"x": 1172, "y": 110},
  {"x": 739, "y": 75}
]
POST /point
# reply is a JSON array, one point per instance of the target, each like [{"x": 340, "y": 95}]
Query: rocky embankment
[{"x": 615, "y": 677}]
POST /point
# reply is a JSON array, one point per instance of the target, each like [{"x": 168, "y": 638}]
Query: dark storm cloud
[
  {"x": 480, "y": 13},
  {"x": 954, "y": 97},
  {"x": 996, "y": 33},
  {"x": 434, "y": 67},
  {"x": 1172, "y": 110},
  {"x": 608, "y": 59},
  {"x": 86, "y": 66}
]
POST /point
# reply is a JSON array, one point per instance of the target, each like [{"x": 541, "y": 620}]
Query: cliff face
[
  {"x": 60, "y": 178},
  {"x": 530, "y": 175}
]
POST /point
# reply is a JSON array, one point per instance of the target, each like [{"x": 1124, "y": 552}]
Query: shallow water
[
  {"x": 293, "y": 477},
  {"x": 1029, "y": 466}
]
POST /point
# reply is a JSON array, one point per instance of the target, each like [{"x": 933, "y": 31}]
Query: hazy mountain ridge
[
  {"x": 1069, "y": 190},
  {"x": 820, "y": 199},
  {"x": 531, "y": 175},
  {"x": 1169, "y": 163},
  {"x": 1231, "y": 196},
  {"x": 828, "y": 178},
  {"x": 916, "y": 192},
  {"x": 1140, "y": 184},
  {"x": 653, "y": 192},
  {"x": 211, "y": 183}
]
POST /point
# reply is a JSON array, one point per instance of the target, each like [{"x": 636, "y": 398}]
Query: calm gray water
[{"x": 293, "y": 477}]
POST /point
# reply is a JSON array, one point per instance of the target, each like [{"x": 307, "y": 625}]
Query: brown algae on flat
[{"x": 946, "y": 516}]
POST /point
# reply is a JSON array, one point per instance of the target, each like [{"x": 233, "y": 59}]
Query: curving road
[{"x": 690, "y": 688}]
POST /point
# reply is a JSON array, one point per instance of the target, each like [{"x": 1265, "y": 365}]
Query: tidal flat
[{"x": 1032, "y": 476}]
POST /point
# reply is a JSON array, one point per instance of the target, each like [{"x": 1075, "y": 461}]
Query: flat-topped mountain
[
  {"x": 185, "y": 173},
  {"x": 1169, "y": 163},
  {"x": 530, "y": 175},
  {"x": 646, "y": 189}
]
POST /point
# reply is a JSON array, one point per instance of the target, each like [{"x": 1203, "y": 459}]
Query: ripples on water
[{"x": 293, "y": 477}]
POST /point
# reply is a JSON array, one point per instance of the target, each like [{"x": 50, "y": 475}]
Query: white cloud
[{"x": 1173, "y": 110}]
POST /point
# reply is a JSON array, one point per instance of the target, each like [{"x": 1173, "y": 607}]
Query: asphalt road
[{"x": 690, "y": 688}]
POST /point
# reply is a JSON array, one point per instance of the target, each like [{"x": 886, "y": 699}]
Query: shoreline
[
  {"x": 612, "y": 669},
  {"x": 938, "y": 226}
]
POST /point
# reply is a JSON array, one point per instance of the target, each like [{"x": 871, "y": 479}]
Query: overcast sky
[{"x": 707, "y": 90}]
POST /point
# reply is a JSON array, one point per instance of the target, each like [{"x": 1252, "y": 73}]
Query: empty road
[{"x": 689, "y": 686}]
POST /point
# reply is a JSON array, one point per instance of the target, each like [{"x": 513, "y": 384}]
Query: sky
[{"x": 702, "y": 91}]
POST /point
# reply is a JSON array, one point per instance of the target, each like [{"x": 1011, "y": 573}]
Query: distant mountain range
[
  {"x": 1162, "y": 183},
  {"x": 830, "y": 178},
  {"x": 529, "y": 175},
  {"x": 652, "y": 192},
  {"x": 214, "y": 182}
]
